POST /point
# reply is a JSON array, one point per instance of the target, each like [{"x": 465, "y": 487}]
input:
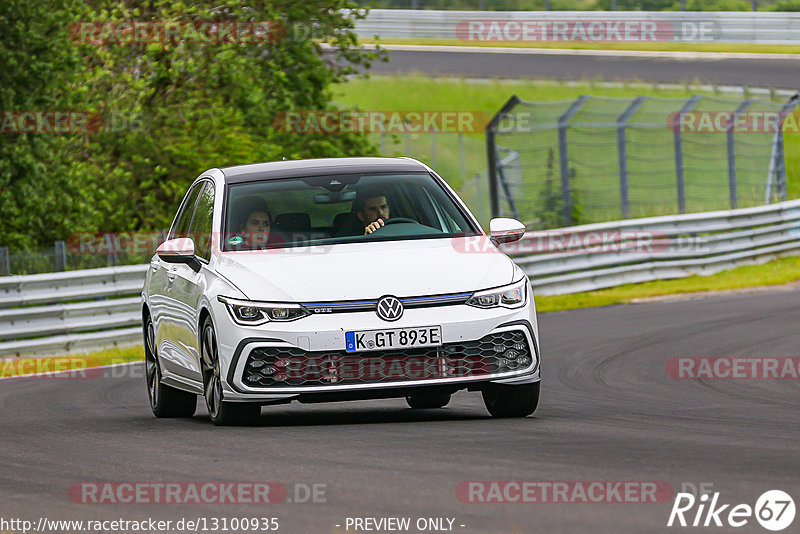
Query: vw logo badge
[{"x": 389, "y": 308}]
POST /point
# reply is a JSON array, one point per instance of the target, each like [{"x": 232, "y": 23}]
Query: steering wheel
[{"x": 398, "y": 220}]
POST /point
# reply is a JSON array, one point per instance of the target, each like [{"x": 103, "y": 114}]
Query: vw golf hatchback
[{"x": 335, "y": 279}]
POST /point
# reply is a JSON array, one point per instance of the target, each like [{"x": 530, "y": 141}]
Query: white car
[{"x": 335, "y": 279}]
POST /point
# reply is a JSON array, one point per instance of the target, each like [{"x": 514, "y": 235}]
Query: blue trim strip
[
  {"x": 334, "y": 304},
  {"x": 348, "y": 304},
  {"x": 441, "y": 297}
]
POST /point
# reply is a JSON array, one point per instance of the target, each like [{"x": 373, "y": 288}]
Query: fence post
[
  {"x": 461, "y": 156},
  {"x": 512, "y": 205},
  {"x": 60, "y": 249},
  {"x": 734, "y": 196},
  {"x": 563, "y": 157},
  {"x": 781, "y": 167},
  {"x": 622, "y": 152},
  {"x": 678, "y": 142},
  {"x": 433, "y": 149},
  {"x": 5, "y": 262},
  {"x": 491, "y": 153}
]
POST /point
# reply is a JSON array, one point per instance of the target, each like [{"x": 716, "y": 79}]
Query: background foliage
[
  {"x": 170, "y": 109},
  {"x": 579, "y": 5}
]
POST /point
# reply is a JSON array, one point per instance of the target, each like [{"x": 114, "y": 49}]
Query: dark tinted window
[
  {"x": 332, "y": 209},
  {"x": 201, "y": 226},
  {"x": 181, "y": 226}
]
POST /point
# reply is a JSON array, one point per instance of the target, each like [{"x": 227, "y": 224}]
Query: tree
[{"x": 172, "y": 105}]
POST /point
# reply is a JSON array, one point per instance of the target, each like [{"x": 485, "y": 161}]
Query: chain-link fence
[
  {"x": 458, "y": 157},
  {"x": 106, "y": 250},
  {"x": 600, "y": 158}
]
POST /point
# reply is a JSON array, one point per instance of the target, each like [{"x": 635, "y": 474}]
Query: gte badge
[{"x": 774, "y": 510}]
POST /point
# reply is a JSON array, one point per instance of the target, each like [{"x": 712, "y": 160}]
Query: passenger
[{"x": 253, "y": 224}]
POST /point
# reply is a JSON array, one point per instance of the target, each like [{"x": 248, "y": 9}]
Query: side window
[
  {"x": 201, "y": 227},
  {"x": 181, "y": 226}
]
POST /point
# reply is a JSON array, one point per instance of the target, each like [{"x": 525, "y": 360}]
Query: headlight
[
  {"x": 511, "y": 296},
  {"x": 255, "y": 313}
]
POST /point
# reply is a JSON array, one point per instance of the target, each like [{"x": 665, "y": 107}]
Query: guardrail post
[
  {"x": 563, "y": 157},
  {"x": 678, "y": 143},
  {"x": 60, "y": 250},
  {"x": 622, "y": 122},
  {"x": 734, "y": 197},
  {"x": 5, "y": 262},
  {"x": 491, "y": 153}
]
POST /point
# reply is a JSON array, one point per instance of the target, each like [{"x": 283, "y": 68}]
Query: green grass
[
  {"x": 425, "y": 93},
  {"x": 28, "y": 366},
  {"x": 585, "y": 45},
  {"x": 777, "y": 272}
]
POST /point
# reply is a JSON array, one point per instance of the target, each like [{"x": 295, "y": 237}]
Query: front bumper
[{"x": 320, "y": 336}]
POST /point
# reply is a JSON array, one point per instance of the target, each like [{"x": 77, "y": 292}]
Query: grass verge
[
  {"x": 70, "y": 362},
  {"x": 659, "y": 46},
  {"x": 777, "y": 272}
]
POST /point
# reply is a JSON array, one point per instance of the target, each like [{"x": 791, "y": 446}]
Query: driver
[{"x": 372, "y": 209}]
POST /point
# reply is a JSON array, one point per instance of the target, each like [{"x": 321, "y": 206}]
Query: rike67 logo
[{"x": 774, "y": 510}]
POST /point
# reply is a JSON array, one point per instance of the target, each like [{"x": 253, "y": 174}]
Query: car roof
[{"x": 319, "y": 167}]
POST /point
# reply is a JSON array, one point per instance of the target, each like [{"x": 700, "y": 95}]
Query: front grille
[{"x": 290, "y": 366}]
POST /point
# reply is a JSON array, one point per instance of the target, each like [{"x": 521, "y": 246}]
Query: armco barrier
[
  {"x": 39, "y": 315},
  {"x": 686, "y": 26},
  {"x": 676, "y": 246}
]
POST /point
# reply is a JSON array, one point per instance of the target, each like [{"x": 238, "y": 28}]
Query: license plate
[{"x": 395, "y": 338}]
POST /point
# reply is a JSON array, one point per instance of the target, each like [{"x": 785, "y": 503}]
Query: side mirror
[
  {"x": 179, "y": 250},
  {"x": 504, "y": 230}
]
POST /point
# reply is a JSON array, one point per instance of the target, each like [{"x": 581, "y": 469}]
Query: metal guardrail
[
  {"x": 597, "y": 256},
  {"x": 39, "y": 315},
  {"x": 719, "y": 26}
]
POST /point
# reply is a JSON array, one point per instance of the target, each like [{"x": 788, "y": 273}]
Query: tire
[
  {"x": 511, "y": 401},
  {"x": 165, "y": 401},
  {"x": 423, "y": 401},
  {"x": 221, "y": 413}
]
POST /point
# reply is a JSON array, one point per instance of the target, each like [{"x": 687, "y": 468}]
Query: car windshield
[{"x": 318, "y": 210}]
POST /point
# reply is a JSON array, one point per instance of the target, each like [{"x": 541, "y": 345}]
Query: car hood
[{"x": 367, "y": 270}]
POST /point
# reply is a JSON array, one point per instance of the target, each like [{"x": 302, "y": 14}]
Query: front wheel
[
  {"x": 511, "y": 401},
  {"x": 222, "y": 413},
  {"x": 165, "y": 401}
]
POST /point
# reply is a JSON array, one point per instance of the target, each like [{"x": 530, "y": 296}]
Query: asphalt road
[
  {"x": 770, "y": 73},
  {"x": 608, "y": 412}
]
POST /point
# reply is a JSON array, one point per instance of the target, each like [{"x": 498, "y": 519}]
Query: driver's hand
[{"x": 373, "y": 226}]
